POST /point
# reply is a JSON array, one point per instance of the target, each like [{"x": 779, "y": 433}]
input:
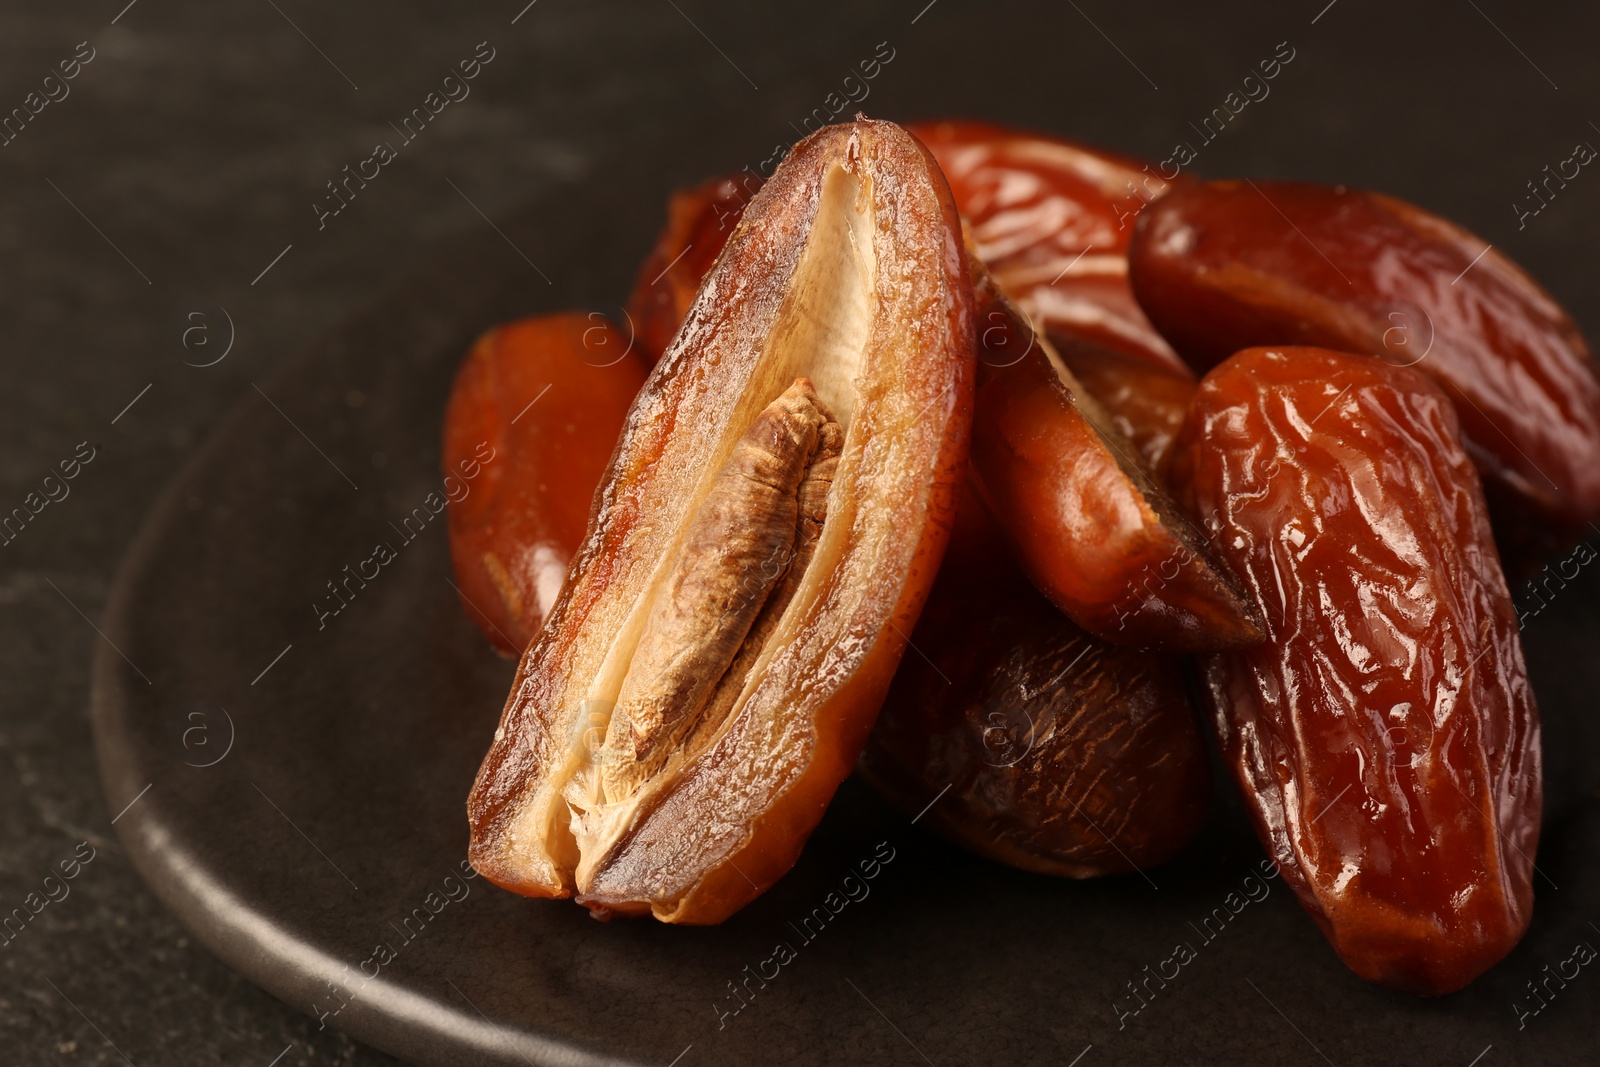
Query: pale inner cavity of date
[
  {"x": 727, "y": 596},
  {"x": 743, "y": 557}
]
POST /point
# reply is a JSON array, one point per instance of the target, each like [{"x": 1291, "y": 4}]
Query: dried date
[
  {"x": 1085, "y": 518},
  {"x": 1385, "y": 735},
  {"x": 1046, "y": 748},
  {"x": 1145, "y": 401},
  {"x": 1050, "y": 218},
  {"x": 547, "y": 396},
  {"x": 699, "y": 221},
  {"x": 822, "y": 376},
  {"x": 1225, "y": 265}
]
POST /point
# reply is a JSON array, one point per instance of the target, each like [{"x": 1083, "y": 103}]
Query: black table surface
[{"x": 158, "y": 212}]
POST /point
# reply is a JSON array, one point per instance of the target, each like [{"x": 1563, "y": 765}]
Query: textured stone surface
[{"x": 196, "y": 142}]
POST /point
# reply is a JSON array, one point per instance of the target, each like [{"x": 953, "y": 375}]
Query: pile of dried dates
[{"x": 932, "y": 387}]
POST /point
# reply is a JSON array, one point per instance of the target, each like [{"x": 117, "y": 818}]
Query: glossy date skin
[
  {"x": 1147, "y": 402},
  {"x": 1083, "y": 515},
  {"x": 1062, "y": 754},
  {"x": 1052, "y": 220},
  {"x": 546, "y": 398},
  {"x": 699, "y": 221},
  {"x": 1385, "y": 735},
  {"x": 1224, "y": 265}
]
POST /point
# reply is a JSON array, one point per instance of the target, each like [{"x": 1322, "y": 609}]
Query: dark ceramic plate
[{"x": 297, "y": 792}]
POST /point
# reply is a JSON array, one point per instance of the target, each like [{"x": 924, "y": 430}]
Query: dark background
[{"x": 198, "y": 138}]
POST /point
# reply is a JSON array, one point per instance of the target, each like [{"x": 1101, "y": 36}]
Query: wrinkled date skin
[
  {"x": 699, "y": 220},
  {"x": 535, "y": 411},
  {"x": 1083, "y": 515},
  {"x": 1052, "y": 220},
  {"x": 765, "y": 535},
  {"x": 1225, "y": 265},
  {"x": 1385, "y": 735},
  {"x": 1062, "y": 754}
]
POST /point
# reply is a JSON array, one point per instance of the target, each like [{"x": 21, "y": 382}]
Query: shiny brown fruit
[
  {"x": 1052, "y": 220},
  {"x": 842, "y": 299},
  {"x": 1145, "y": 401},
  {"x": 1044, "y": 748},
  {"x": 1085, "y": 519},
  {"x": 1226, "y": 265},
  {"x": 533, "y": 416},
  {"x": 1385, "y": 735}
]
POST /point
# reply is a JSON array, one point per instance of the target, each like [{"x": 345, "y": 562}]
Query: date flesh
[
  {"x": 1226, "y": 265},
  {"x": 546, "y": 397},
  {"x": 838, "y": 318},
  {"x": 1046, "y": 748},
  {"x": 759, "y": 523},
  {"x": 1385, "y": 735}
]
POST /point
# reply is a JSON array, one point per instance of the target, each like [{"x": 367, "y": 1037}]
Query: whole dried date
[
  {"x": 1225, "y": 265},
  {"x": 1385, "y": 735},
  {"x": 801, "y": 439},
  {"x": 1087, "y": 521},
  {"x": 1045, "y": 748},
  {"x": 547, "y": 396},
  {"x": 1052, "y": 220}
]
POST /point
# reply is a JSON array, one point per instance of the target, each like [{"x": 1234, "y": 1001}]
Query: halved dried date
[
  {"x": 1052, "y": 220},
  {"x": 1225, "y": 265},
  {"x": 1385, "y": 735},
  {"x": 1087, "y": 522},
  {"x": 536, "y": 408},
  {"x": 841, "y": 307},
  {"x": 1045, "y": 748},
  {"x": 699, "y": 222}
]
